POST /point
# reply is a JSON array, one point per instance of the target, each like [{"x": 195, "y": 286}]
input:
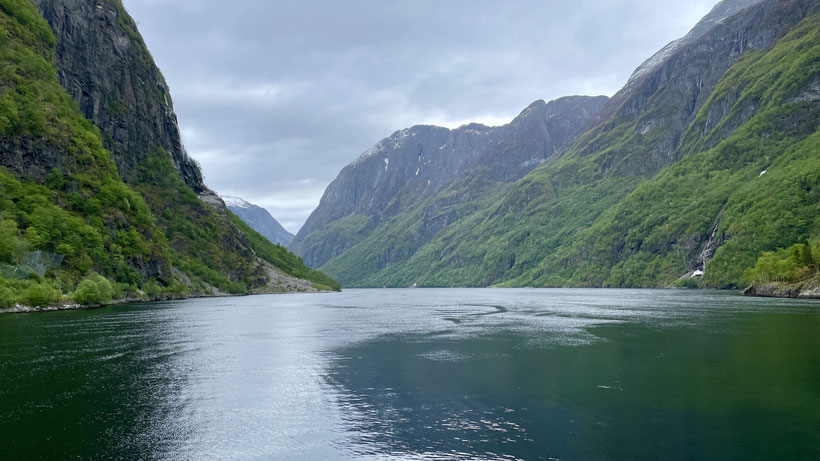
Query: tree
[
  {"x": 806, "y": 258},
  {"x": 94, "y": 289},
  {"x": 7, "y": 297},
  {"x": 8, "y": 236},
  {"x": 41, "y": 294}
]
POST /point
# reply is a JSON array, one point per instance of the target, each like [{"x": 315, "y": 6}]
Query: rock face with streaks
[
  {"x": 104, "y": 64},
  {"x": 416, "y": 163},
  {"x": 663, "y": 180},
  {"x": 110, "y": 152}
]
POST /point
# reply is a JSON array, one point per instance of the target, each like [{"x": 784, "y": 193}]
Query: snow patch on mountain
[
  {"x": 235, "y": 202},
  {"x": 259, "y": 219}
]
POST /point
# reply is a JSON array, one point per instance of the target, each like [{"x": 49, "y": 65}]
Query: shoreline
[
  {"x": 807, "y": 289},
  {"x": 72, "y": 306}
]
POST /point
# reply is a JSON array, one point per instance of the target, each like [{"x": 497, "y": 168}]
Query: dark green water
[{"x": 417, "y": 374}]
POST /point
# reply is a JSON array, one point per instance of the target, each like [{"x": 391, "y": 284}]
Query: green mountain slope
[
  {"x": 416, "y": 164},
  {"x": 669, "y": 181},
  {"x": 280, "y": 258},
  {"x": 65, "y": 196},
  {"x": 61, "y": 194},
  {"x": 715, "y": 200}
]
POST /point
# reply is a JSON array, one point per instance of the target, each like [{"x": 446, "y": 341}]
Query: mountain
[
  {"x": 259, "y": 219},
  {"x": 417, "y": 163},
  {"x": 95, "y": 179},
  {"x": 717, "y": 15},
  {"x": 705, "y": 159}
]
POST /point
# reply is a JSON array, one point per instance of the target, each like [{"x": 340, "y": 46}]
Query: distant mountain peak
[
  {"x": 259, "y": 219},
  {"x": 536, "y": 106},
  {"x": 236, "y": 202},
  {"x": 475, "y": 127}
]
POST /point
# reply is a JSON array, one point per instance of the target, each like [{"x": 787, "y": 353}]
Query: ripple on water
[{"x": 415, "y": 374}]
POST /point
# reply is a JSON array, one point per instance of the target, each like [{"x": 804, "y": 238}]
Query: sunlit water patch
[{"x": 417, "y": 374}]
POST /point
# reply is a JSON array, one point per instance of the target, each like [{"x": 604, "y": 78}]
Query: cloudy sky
[{"x": 275, "y": 97}]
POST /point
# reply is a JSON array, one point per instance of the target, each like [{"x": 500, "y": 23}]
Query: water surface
[{"x": 417, "y": 374}]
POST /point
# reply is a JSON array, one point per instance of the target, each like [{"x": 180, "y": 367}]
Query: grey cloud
[{"x": 274, "y": 98}]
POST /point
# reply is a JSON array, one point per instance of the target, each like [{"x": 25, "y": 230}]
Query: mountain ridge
[
  {"x": 565, "y": 222},
  {"x": 416, "y": 163},
  {"x": 259, "y": 219}
]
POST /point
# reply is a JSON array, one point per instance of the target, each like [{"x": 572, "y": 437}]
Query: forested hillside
[
  {"x": 705, "y": 159},
  {"x": 67, "y": 217}
]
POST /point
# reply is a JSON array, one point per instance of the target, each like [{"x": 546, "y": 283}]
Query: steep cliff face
[
  {"x": 417, "y": 163},
  {"x": 705, "y": 158},
  {"x": 103, "y": 63},
  {"x": 408, "y": 162},
  {"x": 539, "y": 132},
  {"x": 639, "y": 130},
  {"x": 62, "y": 194},
  {"x": 259, "y": 219},
  {"x": 720, "y": 12},
  {"x": 705, "y": 113}
]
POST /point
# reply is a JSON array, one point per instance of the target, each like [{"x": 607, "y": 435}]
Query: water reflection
[
  {"x": 253, "y": 387},
  {"x": 417, "y": 374},
  {"x": 688, "y": 383}
]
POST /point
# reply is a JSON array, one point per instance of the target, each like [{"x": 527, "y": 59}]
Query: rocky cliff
[
  {"x": 416, "y": 163},
  {"x": 719, "y": 13},
  {"x": 808, "y": 289},
  {"x": 93, "y": 173},
  {"x": 705, "y": 158},
  {"x": 640, "y": 129},
  {"x": 105, "y": 66}
]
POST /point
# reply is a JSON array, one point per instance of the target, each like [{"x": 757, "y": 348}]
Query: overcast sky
[{"x": 275, "y": 97}]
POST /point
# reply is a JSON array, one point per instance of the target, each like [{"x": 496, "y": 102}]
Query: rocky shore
[
  {"x": 807, "y": 289},
  {"x": 70, "y": 305}
]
